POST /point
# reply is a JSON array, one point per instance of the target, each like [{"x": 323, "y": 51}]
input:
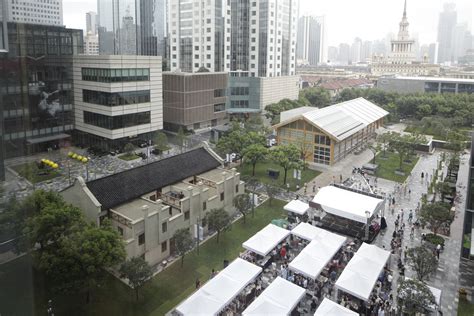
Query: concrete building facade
[
  {"x": 118, "y": 99},
  {"x": 36, "y": 12},
  {"x": 426, "y": 84},
  {"x": 194, "y": 101},
  {"x": 91, "y": 44},
  {"x": 328, "y": 135},
  {"x": 199, "y": 33},
  {"x": 150, "y": 208}
]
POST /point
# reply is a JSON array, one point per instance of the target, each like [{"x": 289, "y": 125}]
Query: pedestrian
[
  {"x": 314, "y": 188},
  {"x": 409, "y": 193},
  {"x": 287, "y": 187},
  {"x": 340, "y": 178},
  {"x": 393, "y": 200},
  {"x": 422, "y": 176},
  {"x": 283, "y": 252},
  {"x": 438, "y": 250},
  {"x": 297, "y": 187},
  {"x": 198, "y": 283}
]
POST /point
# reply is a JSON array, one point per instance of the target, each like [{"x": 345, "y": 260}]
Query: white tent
[
  {"x": 297, "y": 207},
  {"x": 279, "y": 298},
  {"x": 362, "y": 271},
  {"x": 347, "y": 204},
  {"x": 214, "y": 296},
  {"x": 315, "y": 256},
  {"x": 310, "y": 232},
  {"x": 330, "y": 308},
  {"x": 266, "y": 239}
]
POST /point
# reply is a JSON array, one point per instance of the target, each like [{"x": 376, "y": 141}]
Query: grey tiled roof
[{"x": 122, "y": 187}]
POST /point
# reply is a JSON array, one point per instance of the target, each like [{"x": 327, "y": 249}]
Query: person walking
[
  {"x": 438, "y": 250},
  {"x": 422, "y": 176}
]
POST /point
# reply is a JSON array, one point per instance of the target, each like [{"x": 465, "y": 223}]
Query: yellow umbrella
[{"x": 84, "y": 160}]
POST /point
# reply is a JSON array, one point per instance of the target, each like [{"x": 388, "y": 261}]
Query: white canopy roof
[
  {"x": 330, "y": 308},
  {"x": 297, "y": 206},
  {"x": 279, "y": 298},
  {"x": 347, "y": 204},
  {"x": 220, "y": 290},
  {"x": 265, "y": 240},
  {"x": 310, "y": 232},
  {"x": 362, "y": 271},
  {"x": 315, "y": 256}
]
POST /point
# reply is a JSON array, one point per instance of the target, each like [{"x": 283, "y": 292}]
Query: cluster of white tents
[
  {"x": 216, "y": 294},
  {"x": 266, "y": 239},
  {"x": 361, "y": 273}
]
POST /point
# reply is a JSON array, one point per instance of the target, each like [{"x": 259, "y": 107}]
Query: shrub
[{"x": 435, "y": 239}]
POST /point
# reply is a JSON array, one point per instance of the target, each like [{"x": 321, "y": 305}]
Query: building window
[
  {"x": 115, "y": 75},
  {"x": 117, "y": 98},
  {"x": 141, "y": 239},
  {"x": 120, "y": 230},
  {"x": 204, "y": 206},
  {"x": 236, "y": 188},
  {"x": 164, "y": 227},
  {"x": 222, "y": 196},
  {"x": 239, "y": 104},
  {"x": 219, "y": 93},
  {"x": 186, "y": 215},
  {"x": 117, "y": 122},
  {"x": 219, "y": 107},
  {"x": 164, "y": 246}
]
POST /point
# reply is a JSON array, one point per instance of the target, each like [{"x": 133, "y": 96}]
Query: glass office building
[
  {"x": 132, "y": 27},
  {"x": 36, "y": 88}
]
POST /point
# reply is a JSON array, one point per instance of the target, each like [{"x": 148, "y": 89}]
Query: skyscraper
[
  {"x": 91, "y": 23},
  {"x": 270, "y": 41},
  {"x": 36, "y": 111},
  {"x": 356, "y": 48},
  {"x": 446, "y": 25},
  {"x": 199, "y": 35},
  {"x": 310, "y": 44},
  {"x": 36, "y": 12},
  {"x": 344, "y": 53},
  {"x": 3, "y": 27},
  {"x": 131, "y": 27}
]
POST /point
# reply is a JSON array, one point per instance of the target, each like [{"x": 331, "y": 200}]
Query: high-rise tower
[{"x": 402, "y": 47}]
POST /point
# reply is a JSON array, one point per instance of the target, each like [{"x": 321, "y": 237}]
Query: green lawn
[
  {"x": 262, "y": 175},
  {"x": 465, "y": 308},
  {"x": 32, "y": 173},
  {"x": 387, "y": 167},
  {"x": 27, "y": 292},
  {"x": 128, "y": 157}
]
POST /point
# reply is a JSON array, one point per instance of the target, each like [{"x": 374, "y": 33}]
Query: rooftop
[
  {"x": 433, "y": 79},
  {"x": 341, "y": 120},
  {"x": 134, "y": 209},
  {"x": 122, "y": 187}
]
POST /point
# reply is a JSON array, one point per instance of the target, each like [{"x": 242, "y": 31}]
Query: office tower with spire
[
  {"x": 132, "y": 27},
  {"x": 402, "y": 56},
  {"x": 311, "y": 41}
]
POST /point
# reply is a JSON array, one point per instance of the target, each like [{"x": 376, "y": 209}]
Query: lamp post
[{"x": 367, "y": 214}]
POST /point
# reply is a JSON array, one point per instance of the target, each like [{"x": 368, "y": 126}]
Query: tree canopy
[
  {"x": 137, "y": 271},
  {"x": 253, "y": 154},
  {"x": 436, "y": 215},
  {"x": 182, "y": 242},
  {"x": 287, "y": 156},
  {"x": 414, "y": 297},
  {"x": 218, "y": 220},
  {"x": 161, "y": 142},
  {"x": 243, "y": 204},
  {"x": 422, "y": 261}
]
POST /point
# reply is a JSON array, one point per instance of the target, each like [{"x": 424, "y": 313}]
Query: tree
[
  {"x": 251, "y": 184},
  {"x": 218, "y": 219},
  {"x": 161, "y": 142},
  {"x": 80, "y": 259},
  {"x": 422, "y": 261},
  {"x": 414, "y": 297},
  {"x": 182, "y": 242},
  {"x": 436, "y": 214},
  {"x": 129, "y": 149},
  {"x": 137, "y": 271},
  {"x": 317, "y": 97},
  {"x": 239, "y": 139},
  {"x": 384, "y": 140},
  {"x": 181, "y": 139},
  {"x": 443, "y": 189},
  {"x": 401, "y": 144},
  {"x": 423, "y": 110},
  {"x": 243, "y": 204},
  {"x": 287, "y": 156},
  {"x": 271, "y": 191},
  {"x": 52, "y": 223},
  {"x": 253, "y": 154}
]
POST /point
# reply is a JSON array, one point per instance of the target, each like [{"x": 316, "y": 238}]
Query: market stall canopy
[
  {"x": 297, "y": 207},
  {"x": 362, "y": 271},
  {"x": 346, "y": 203},
  {"x": 266, "y": 239},
  {"x": 330, "y": 308},
  {"x": 317, "y": 254},
  {"x": 279, "y": 298},
  {"x": 310, "y": 232},
  {"x": 216, "y": 294}
]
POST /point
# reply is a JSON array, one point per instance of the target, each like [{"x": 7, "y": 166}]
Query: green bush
[{"x": 435, "y": 239}]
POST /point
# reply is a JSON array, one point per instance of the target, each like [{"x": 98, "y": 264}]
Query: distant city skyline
[{"x": 345, "y": 20}]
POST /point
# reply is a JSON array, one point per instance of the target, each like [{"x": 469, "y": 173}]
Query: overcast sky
[{"x": 345, "y": 19}]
